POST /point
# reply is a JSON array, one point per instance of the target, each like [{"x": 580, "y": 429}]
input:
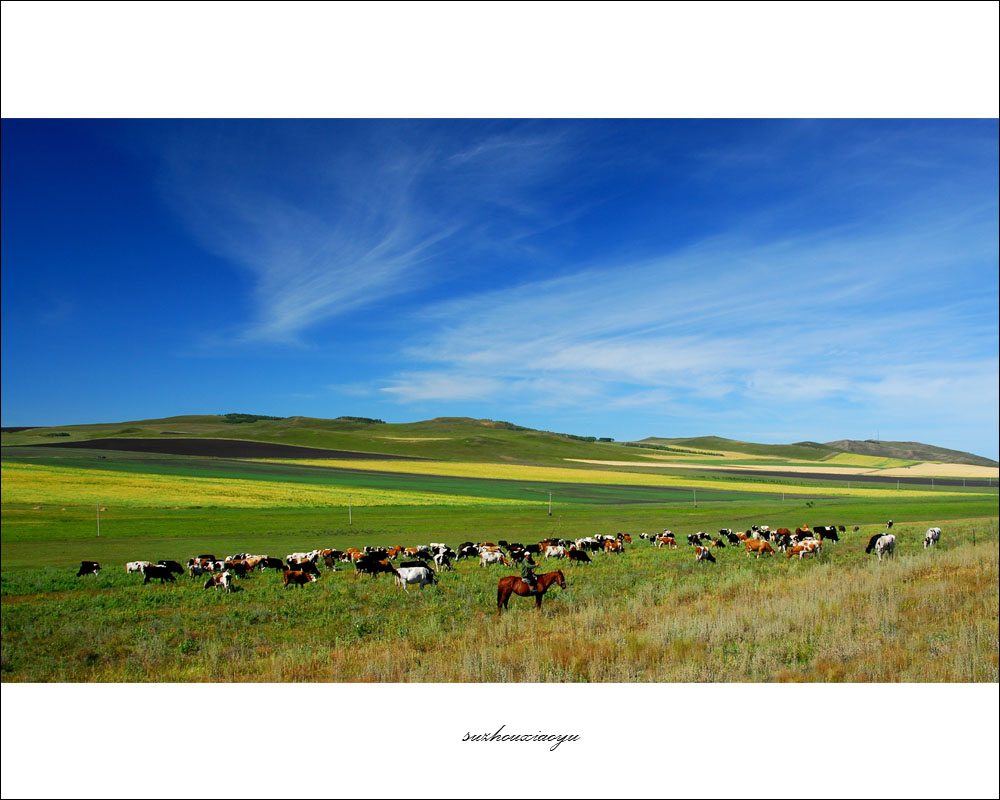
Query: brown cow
[
  {"x": 294, "y": 577},
  {"x": 759, "y": 546}
]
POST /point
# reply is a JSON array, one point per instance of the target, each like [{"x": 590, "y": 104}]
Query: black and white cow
[
  {"x": 932, "y": 537},
  {"x": 89, "y": 568}
]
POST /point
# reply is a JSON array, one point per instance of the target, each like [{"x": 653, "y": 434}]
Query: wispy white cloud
[
  {"x": 355, "y": 225},
  {"x": 845, "y": 320}
]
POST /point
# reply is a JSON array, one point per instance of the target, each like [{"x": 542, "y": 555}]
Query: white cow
[
  {"x": 420, "y": 575},
  {"x": 886, "y": 544},
  {"x": 223, "y": 579},
  {"x": 932, "y": 537},
  {"x": 136, "y": 566},
  {"x": 554, "y": 551},
  {"x": 491, "y": 557}
]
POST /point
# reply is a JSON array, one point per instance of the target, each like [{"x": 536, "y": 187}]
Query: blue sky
[{"x": 768, "y": 280}]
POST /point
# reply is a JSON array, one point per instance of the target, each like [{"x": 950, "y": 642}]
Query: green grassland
[{"x": 649, "y": 615}]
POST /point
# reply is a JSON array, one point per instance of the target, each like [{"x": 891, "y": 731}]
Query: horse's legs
[{"x": 538, "y": 601}]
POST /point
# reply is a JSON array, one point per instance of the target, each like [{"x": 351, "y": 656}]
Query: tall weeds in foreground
[{"x": 648, "y": 616}]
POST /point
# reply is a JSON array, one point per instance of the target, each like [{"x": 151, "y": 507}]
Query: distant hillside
[
  {"x": 913, "y": 451},
  {"x": 468, "y": 439},
  {"x": 443, "y": 438},
  {"x": 801, "y": 451}
]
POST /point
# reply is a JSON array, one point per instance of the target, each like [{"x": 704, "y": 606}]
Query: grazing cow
[
  {"x": 275, "y": 563},
  {"x": 783, "y": 532},
  {"x": 614, "y": 546},
  {"x": 872, "y": 542},
  {"x": 784, "y": 542},
  {"x": 758, "y": 547},
  {"x": 296, "y": 577},
  {"x": 666, "y": 541},
  {"x": 886, "y": 545},
  {"x": 693, "y": 539},
  {"x": 136, "y": 566},
  {"x": 173, "y": 566},
  {"x": 842, "y": 529},
  {"x": 857, "y": 528},
  {"x": 727, "y": 532},
  {"x": 576, "y": 554},
  {"x": 555, "y": 551},
  {"x": 824, "y": 532},
  {"x": 372, "y": 565},
  {"x": 238, "y": 568},
  {"x": 733, "y": 538},
  {"x": 89, "y": 568},
  {"x": 423, "y": 575},
  {"x": 467, "y": 551},
  {"x": 932, "y": 537},
  {"x": 222, "y": 580},
  {"x": 442, "y": 561},
  {"x": 719, "y": 543},
  {"x": 492, "y": 557},
  {"x": 703, "y": 554},
  {"x": 803, "y": 531},
  {"x": 156, "y": 571},
  {"x": 801, "y": 550},
  {"x": 415, "y": 563},
  {"x": 888, "y": 525},
  {"x": 200, "y": 567}
]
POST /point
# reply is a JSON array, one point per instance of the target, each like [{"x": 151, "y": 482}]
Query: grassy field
[{"x": 649, "y": 615}]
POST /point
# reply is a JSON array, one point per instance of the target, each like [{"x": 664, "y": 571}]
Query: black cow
[
  {"x": 238, "y": 568},
  {"x": 173, "y": 566},
  {"x": 156, "y": 571},
  {"x": 372, "y": 565},
  {"x": 824, "y": 532},
  {"x": 578, "y": 555},
  {"x": 416, "y": 563},
  {"x": 694, "y": 539},
  {"x": 720, "y": 542},
  {"x": 467, "y": 551},
  {"x": 733, "y": 538},
  {"x": 271, "y": 563},
  {"x": 88, "y": 568},
  {"x": 871, "y": 543}
]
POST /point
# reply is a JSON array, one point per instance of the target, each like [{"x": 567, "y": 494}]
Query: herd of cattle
[{"x": 421, "y": 564}]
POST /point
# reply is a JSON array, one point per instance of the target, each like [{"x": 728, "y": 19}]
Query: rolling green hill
[
  {"x": 913, "y": 451},
  {"x": 801, "y": 451},
  {"x": 467, "y": 439},
  {"x": 445, "y": 438}
]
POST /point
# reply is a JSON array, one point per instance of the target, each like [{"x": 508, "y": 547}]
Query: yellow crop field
[
  {"x": 523, "y": 472},
  {"x": 33, "y": 483}
]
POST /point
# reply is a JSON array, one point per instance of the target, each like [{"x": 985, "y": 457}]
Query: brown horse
[{"x": 513, "y": 584}]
